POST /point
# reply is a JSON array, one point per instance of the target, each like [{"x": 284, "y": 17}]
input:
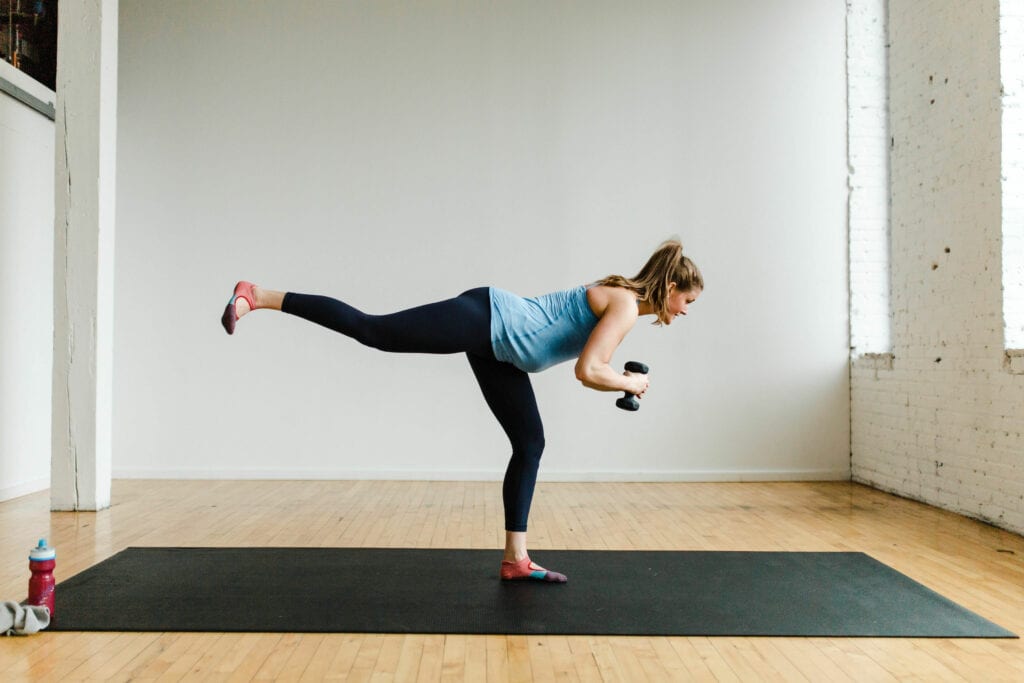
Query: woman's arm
[{"x": 592, "y": 368}]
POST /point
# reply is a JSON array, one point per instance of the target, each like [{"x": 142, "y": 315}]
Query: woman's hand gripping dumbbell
[{"x": 629, "y": 401}]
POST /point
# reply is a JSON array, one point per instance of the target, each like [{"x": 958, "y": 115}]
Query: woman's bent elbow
[{"x": 582, "y": 373}]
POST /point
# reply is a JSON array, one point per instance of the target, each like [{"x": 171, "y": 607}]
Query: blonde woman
[{"x": 506, "y": 337}]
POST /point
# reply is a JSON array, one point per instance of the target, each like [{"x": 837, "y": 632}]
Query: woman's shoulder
[{"x": 603, "y": 297}]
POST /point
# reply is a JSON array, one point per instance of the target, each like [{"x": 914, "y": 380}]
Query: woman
[{"x": 506, "y": 337}]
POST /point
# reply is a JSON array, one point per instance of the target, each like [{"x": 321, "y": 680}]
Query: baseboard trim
[
  {"x": 24, "y": 489},
  {"x": 482, "y": 475}
]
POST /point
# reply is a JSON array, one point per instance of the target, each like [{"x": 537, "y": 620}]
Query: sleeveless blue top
[{"x": 535, "y": 333}]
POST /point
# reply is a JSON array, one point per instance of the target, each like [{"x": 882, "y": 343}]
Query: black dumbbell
[{"x": 628, "y": 400}]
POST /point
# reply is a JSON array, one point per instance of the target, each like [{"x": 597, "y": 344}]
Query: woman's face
[{"x": 679, "y": 301}]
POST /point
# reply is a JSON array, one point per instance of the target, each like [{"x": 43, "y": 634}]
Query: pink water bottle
[{"x": 41, "y": 561}]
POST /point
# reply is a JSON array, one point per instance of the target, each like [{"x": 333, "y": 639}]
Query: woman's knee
[
  {"x": 373, "y": 332},
  {"x": 529, "y": 449}
]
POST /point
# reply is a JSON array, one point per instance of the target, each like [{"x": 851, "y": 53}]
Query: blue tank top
[{"x": 534, "y": 334}]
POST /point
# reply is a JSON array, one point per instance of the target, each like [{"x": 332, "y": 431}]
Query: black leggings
[{"x": 459, "y": 325}]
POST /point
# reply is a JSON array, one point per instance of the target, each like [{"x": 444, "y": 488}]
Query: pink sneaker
[
  {"x": 244, "y": 290},
  {"x": 524, "y": 569}
]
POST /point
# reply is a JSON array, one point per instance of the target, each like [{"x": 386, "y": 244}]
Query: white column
[{"x": 86, "y": 128}]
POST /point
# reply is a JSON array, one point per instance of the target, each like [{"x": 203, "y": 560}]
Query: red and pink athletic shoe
[
  {"x": 242, "y": 290},
  {"x": 524, "y": 569}
]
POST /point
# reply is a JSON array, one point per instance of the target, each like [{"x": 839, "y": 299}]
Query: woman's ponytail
[{"x": 652, "y": 284}]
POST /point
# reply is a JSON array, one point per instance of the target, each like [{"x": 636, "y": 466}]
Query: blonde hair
[{"x": 666, "y": 265}]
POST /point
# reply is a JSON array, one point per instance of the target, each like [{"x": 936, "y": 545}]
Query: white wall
[
  {"x": 394, "y": 154},
  {"x": 26, "y": 289},
  {"x": 945, "y": 424}
]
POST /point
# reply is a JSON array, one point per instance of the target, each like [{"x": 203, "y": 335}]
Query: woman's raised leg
[{"x": 457, "y": 325}]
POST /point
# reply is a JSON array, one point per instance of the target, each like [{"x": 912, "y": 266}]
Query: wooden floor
[{"x": 980, "y": 567}]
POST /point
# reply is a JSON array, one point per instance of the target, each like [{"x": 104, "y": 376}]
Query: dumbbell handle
[{"x": 629, "y": 401}]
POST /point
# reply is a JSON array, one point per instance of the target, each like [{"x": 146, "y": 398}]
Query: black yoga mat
[{"x": 375, "y": 590}]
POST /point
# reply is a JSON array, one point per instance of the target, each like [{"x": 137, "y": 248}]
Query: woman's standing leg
[{"x": 509, "y": 394}]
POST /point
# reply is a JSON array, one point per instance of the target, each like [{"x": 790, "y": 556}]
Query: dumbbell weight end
[{"x": 628, "y": 400}]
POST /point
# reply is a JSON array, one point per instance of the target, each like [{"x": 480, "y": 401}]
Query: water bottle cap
[{"x": 42, "y": 552}]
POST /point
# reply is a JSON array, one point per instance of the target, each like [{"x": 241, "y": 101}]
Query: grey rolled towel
[{"x": 22, "y": 620}]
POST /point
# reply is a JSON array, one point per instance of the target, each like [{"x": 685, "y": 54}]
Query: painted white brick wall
[{"x": 945, "y": 425}]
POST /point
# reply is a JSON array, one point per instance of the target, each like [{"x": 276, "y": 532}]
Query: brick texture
[{"x": 944, "y": 423}]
